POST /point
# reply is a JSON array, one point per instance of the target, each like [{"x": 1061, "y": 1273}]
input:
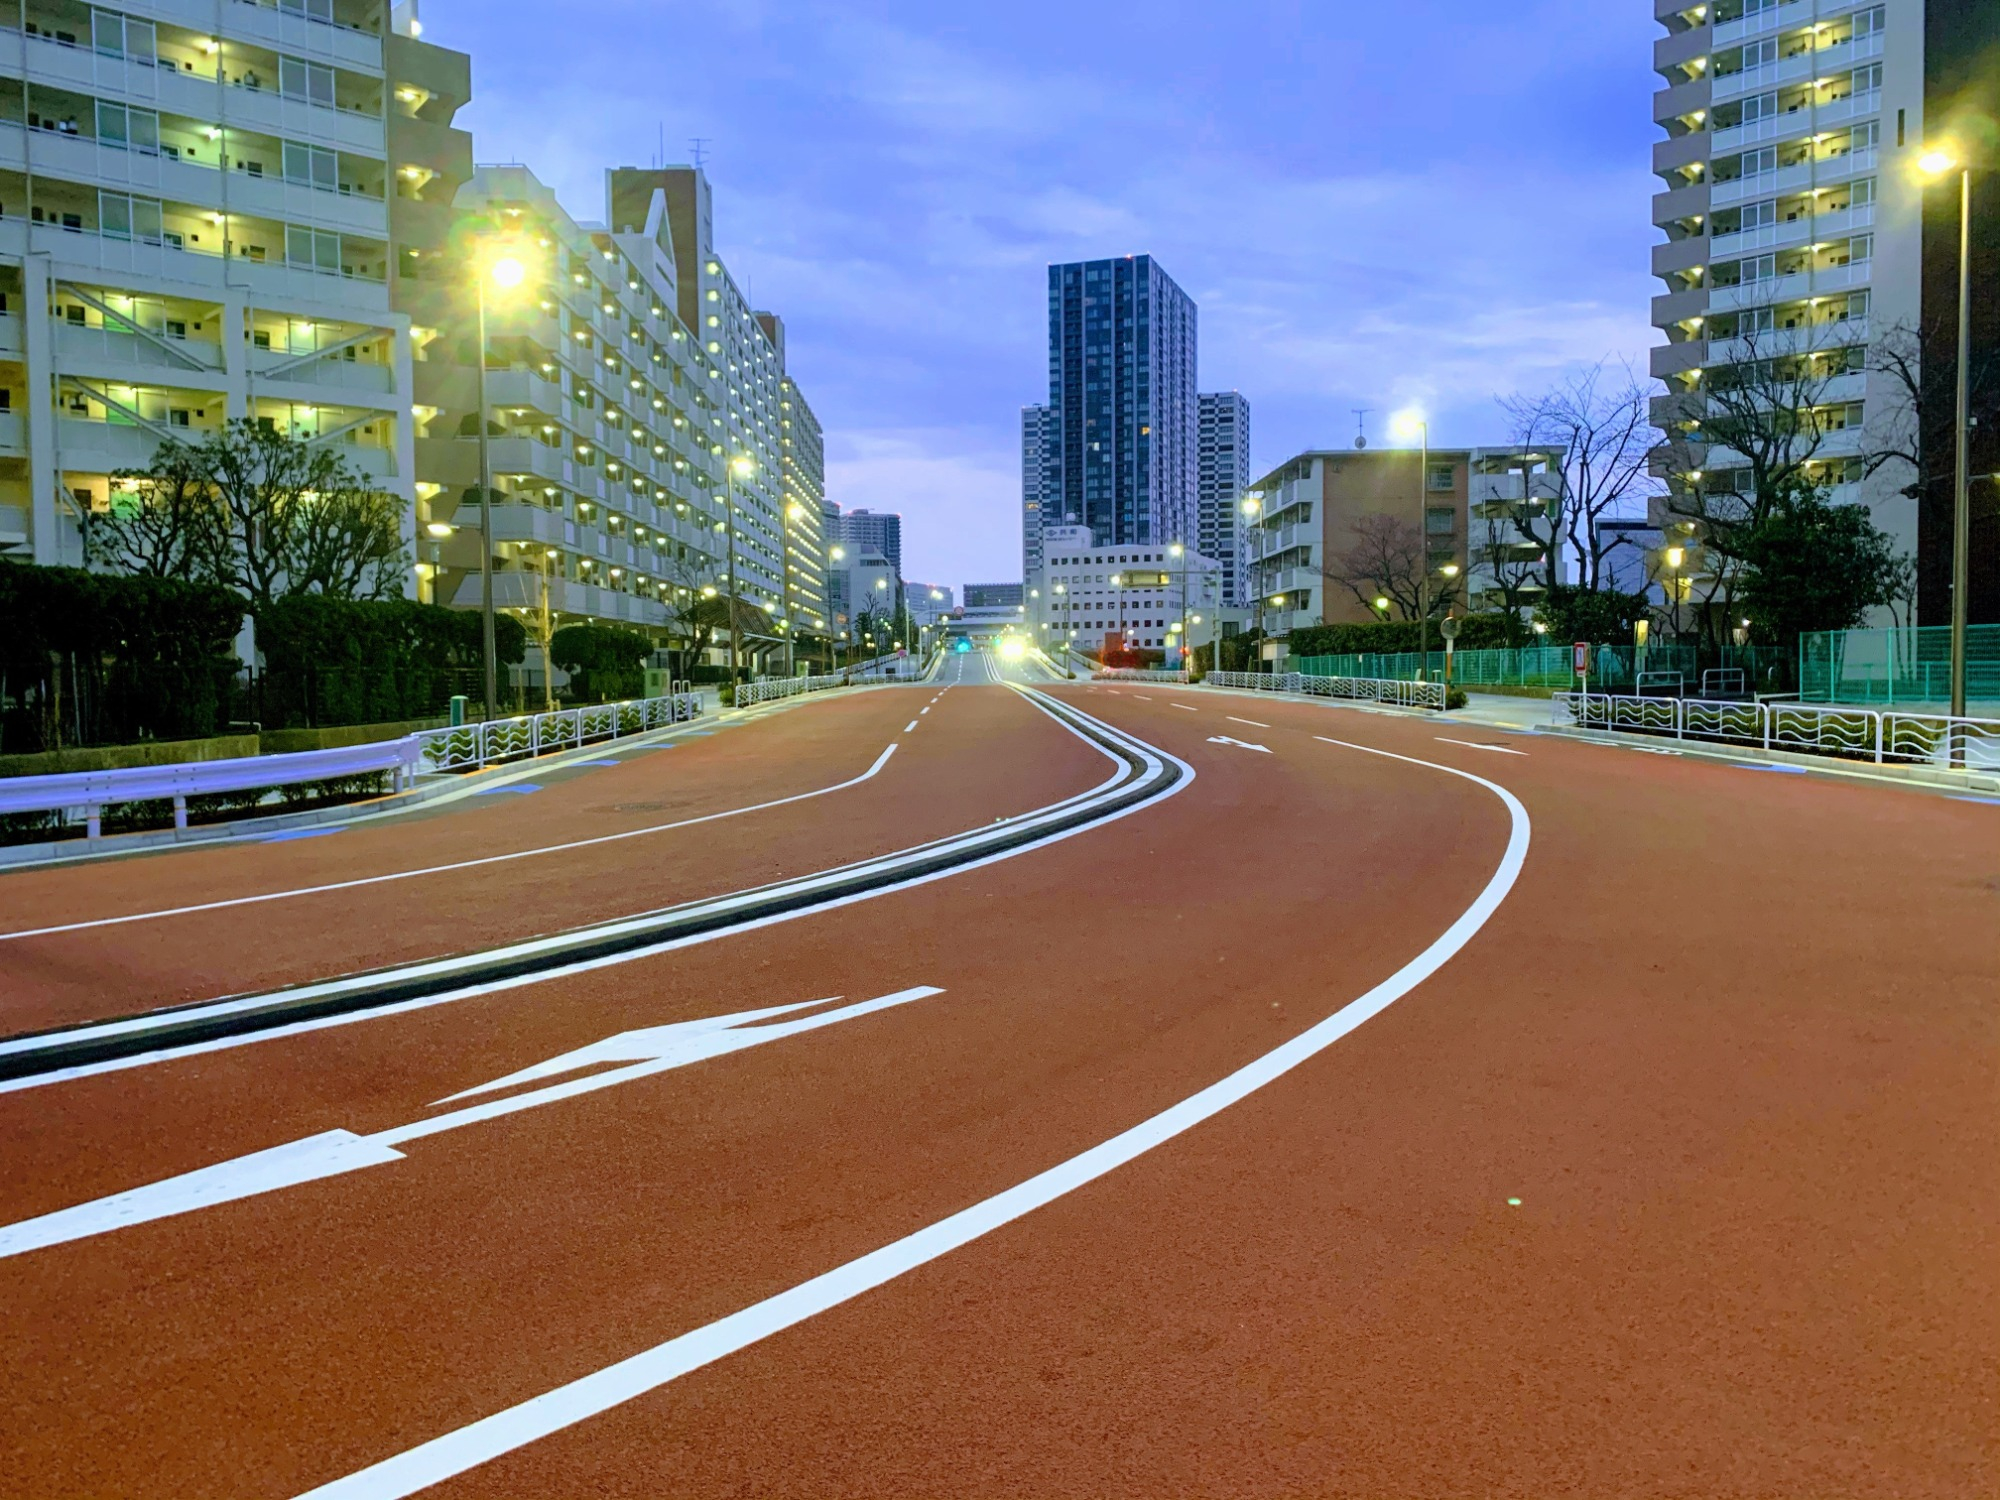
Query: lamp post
[
  {"x": 1676, "y": 556},
  {"x": 505, "y": 272},
  {"x": 1406, "y": 423},
  {"x": 1251, "y": 507},
  {"x": 1936, "y": 163},
  {"x": 743, "y": 465}
]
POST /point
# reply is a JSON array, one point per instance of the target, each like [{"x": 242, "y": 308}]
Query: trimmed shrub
[
  {"x": 351, "y": 661},
  {"x": 605, "y": 662},
  {"x": 1385, "y": 637}
]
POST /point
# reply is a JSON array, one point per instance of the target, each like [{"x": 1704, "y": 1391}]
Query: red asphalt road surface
[
  {"x": 923, "y": 793},
  {"x": 1730, "y": 1040}
]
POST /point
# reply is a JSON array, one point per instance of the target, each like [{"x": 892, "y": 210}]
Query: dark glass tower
[{"x": 1124, "y": 420}]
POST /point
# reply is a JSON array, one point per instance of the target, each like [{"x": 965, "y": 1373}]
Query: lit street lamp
[
  {"x": 742, "y": 466},
  {"x": 1936, "y": 163},
  {"x": 506, "y": 271}
]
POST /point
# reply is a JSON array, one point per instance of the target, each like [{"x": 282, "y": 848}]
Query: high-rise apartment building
[
  {"x": 1797, "y": 234},
  {"x": 877, "y": 533},
  {"x": 1122, "y": 402},
  {"x": 195, "y": 208},
  {"x": 1224, "y": 474},
  {"x": 1037, "y": 454},
  {"x": 806, "y": 601}
]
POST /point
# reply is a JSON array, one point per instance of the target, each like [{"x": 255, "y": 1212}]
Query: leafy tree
[
  {"x": 604, "y": 662},
  {"x": 1812, "y": 565},
  {"x": 1605, "y": 616},
  {"x": 259, "y": 511}
]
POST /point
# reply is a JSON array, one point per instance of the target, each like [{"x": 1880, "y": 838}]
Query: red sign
[{"x": 1583, "y": 658}]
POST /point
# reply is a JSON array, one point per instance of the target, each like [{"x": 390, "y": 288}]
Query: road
[{"x": 1381, "y": 1107}]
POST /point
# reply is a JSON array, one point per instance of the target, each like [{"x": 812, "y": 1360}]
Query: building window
[
  {"x": 1440, "y": 520},
  {"x": 1442, "y": 476}
]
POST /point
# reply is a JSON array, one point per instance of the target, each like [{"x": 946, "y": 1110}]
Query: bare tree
[
  {"x": 1387, "y": 560},
  {"x": 1512, "y": 568},
  {"x": 161, "y": 519},
  {"x": 1598, "y": 425}
]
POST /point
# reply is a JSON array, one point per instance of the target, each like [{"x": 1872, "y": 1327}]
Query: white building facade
[
  {"x": 1141, "y": 597},
  {"x": 194, "y": 228}
]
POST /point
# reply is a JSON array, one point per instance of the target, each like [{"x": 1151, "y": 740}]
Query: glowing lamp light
[{"x": 508, "y": 272}]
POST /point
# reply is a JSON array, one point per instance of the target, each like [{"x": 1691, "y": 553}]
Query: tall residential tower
[
  {"x": 1122, "y": 401},
  {"x": 1224, "y": 456}
]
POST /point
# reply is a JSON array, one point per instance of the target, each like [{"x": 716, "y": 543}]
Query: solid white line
[
  {"x": 454, "y": 1453},
  {"x": 584, "y": 966},
  {"x": 463, "y": 864},
  {"x": 1251, "y": 722}
]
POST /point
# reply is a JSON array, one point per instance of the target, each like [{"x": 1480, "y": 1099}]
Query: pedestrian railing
[
  {"x": 1879, "y": 735},
  {"x": 750, "y": 693},
  {"x": 469, "y": 747},
  {"x": 1362, "y": 689},
  {"x": 93, "y": 792},
  {"x": 1137, "y": 674}
]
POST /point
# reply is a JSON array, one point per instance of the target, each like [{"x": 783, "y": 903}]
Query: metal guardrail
[
  {"x": 468, "y": 747},
  {"x": 751, "y": 693},
  {"x": 1880, "y": 735},
  {"x": 1136, "y": 674},
  {"x": 94, "y": 791},
  {"x": 1393, "y": 691}
]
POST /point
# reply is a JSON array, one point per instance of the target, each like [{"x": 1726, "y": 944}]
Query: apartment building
[
  {"x": 1223, "y": 453},
  {"x": 808, "y": 604},
  {"x": 1037, "y": 484},
  {"x": 1149, "y": 596},
  {"x": 1797, "y": 228},
  {"x": 876, "y": 532},
  {"x": 1336, "y": 529},
  {"x": 1123, "y": 402},
  {"x": 194, "y": 228}
]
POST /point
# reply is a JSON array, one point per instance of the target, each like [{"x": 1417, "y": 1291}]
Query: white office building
[{"x": 1141, "y": 597}]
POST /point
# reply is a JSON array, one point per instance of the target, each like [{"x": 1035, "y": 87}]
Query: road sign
[{"x": 1583, "y": 658}]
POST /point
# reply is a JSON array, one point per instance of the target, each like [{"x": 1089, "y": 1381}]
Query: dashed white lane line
[
  {"x": 1142, "y": 697},
  {"x": 452, "y": 1453},
  {"x": 1183, "y": 708},
  {"x": 463, "y": 864},
  {"x": 911, "y": 727},
  {"x": 924, "y": 710},
  {"x": 1251, "y": 722},
  {"x": 1470, "y": 745}
]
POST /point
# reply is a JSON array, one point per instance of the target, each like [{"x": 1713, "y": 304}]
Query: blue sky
[{"x": 1430, "y": 201}]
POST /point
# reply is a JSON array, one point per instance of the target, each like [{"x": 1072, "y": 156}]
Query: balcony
[
  {"x": 520, "y": 455},
  {"x": 1507, "y": 489},
  {"x": 114, "y": 353},
  {"x": 1837, "y": 334},
  {"x": 1746, "y": 28},
  {"x": 1678, "y": 307},
  {"x": 1681, "y": 203},
  {"x": 1806, "y": 229},
  {"x": 84, "y": 254},
  {"x": 525, "y": 523},
  {"x": 1763, "y": 185},
  {"x": 1785, "y": 70},
  {"x": 13, "y": 434},
  {"x": 1676, "y": 359},
  {"x": 526, "y": 390},
  {"x": 284, "y": 31},
  {"x": 330, "y": 372}
]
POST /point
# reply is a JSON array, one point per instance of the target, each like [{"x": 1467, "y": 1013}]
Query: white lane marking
[
  {"x": 911, "y": 727},
  {"x": 1251, "y": 722},
  {"x": 1183, "y": 707},
  {"x": 924, "y": 710},
  {"x": 463, "y": 864},
  {"x": 454, "y": 1453},
  {"x": 1142, "y": 697},
  {"x": 649, "y": 1051},
  {"x": 1223, "y": 739},
  {"x": 1470, "y": 745},
  {"x": 1108, "y": 788}
]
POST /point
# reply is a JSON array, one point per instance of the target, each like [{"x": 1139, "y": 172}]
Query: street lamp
[
  {"x": 793, "y": 512},
  {"x": 742, "y": 466},
  {"x": 1405, "y": 425},
  {"x": 1675, "y": 557},
  {"x": 1935, "y": 164},
  {"x": 506, "y": 270},
  {"x": 1251, "y": 506}
]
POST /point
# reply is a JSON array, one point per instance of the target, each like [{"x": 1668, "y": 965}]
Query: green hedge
[
  {"x": 1475, "y": 633},
  {"x": 350, "y": 661},
  {"x": 95, "y": 659}
]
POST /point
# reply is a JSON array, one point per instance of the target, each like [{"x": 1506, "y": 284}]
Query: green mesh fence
[
  {"x": 1909, "y": 666},
  {"x": 1612, "y": 667}
]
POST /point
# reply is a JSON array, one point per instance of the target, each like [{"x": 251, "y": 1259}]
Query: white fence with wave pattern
[
  {"x": 1360, "y": 689},
  {"x": 1880, "y": 735},
  {"x": 468, "y": 747}
]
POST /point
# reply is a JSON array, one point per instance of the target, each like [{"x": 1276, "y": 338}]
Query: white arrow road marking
[
  {"x": 1251, "y": 722},
  {"x": 655, "y": 1049},
  {"x": 1223, "y": 739},
  {"x": 1470, "y": 745}
]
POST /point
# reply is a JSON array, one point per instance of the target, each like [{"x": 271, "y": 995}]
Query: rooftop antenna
[
  {"x": 1361, "y": 426},
  {"x": 661, "y": 159},
  {"x": 700, "y": 145}
]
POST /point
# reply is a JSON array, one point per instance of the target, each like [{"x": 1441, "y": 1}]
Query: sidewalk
[{"x": 1504, "y": 711}]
